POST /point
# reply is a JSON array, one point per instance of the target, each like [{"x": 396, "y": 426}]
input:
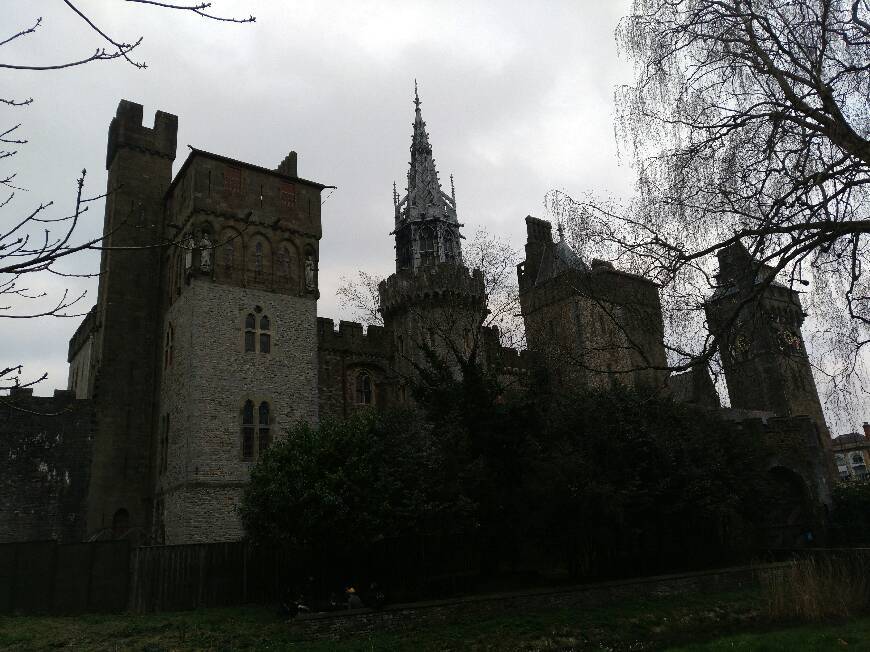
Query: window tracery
[{"x": 257, "y": 333}]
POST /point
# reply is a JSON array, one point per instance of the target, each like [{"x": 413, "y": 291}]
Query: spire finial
[
  {"x": 395, "y": 195},
  {"x": 416, "y": 96},
  {"x": 452, "y": 189}
]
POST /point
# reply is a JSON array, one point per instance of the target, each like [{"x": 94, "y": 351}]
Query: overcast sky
[{"x": 517, "y": 96}]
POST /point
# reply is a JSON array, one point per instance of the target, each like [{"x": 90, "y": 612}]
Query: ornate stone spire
[{"x": 426, "y": 227}]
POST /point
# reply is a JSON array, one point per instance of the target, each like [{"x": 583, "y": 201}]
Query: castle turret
[
  {"x": 432, "y": 301},
  {"x": 426, "y": 227}
]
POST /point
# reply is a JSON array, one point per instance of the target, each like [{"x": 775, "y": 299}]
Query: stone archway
[{"x": 790, "y": 517}]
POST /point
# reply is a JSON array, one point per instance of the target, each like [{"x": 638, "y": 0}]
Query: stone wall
[
  {"x": 345, "y": 354},
  {"x": 45, "y": 456},
  {"x": 203, "y": 392},
  {"x": 594, "y": 327}
]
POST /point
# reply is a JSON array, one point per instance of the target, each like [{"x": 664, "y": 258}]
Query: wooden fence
[
  {"x": 110, "y": 576},
  {"x": 47, "y": 577}
]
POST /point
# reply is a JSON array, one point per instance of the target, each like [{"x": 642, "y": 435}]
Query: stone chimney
[
  {"x": 288, "y": 165},
  {"x": 867, "y": 431}
]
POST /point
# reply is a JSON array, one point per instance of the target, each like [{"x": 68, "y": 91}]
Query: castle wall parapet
[
  {"x": 127, "y": 131},
  {"x": 350, "y": 337},
  {"x": 45, "y": 463},
  {"x": 431, "y": 283}
]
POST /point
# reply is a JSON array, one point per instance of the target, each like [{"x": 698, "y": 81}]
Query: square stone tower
[
  {"x": 238, "y": 334},
  {"x": 116, "y": 348},
  {"x": 591, "y": 325}
]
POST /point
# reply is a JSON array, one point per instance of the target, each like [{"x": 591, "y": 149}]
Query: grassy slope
[
  {"x": 637, "y": 625},
  {"x": 851, "y": 635}
]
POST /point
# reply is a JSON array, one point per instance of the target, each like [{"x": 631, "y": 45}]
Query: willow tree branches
[{"x": 747, "y": 122}]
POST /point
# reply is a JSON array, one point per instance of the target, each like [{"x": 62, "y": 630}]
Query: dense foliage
[
  {"x": 850, "y": 518},
  {"x": 609, "y": 479}
]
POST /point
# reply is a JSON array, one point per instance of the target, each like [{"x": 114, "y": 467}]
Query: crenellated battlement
[
  {"x": 350, "y": 337},
  {"x": 127, "y": 131},
  {"x": 444, "y": 281}
]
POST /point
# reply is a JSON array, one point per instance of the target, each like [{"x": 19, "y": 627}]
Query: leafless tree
[
  {"x": 747, "y": 122},
  {"x": 34, "y": 241}
]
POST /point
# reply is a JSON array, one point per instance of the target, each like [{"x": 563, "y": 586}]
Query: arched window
[
  {"x": 120, "y": 523},
  {"x": 258, "y": 261},
  {"x": 229, "y": 255},
  {"x": 168, "y": 347},
  {"x": 427, "y": 246},
  {"x": 363, "y": 388},
  {"x": 265, "y": 335},
  {"x": 265, "y": 435},
  {"x": 248, "y": 430},
  {"x": 250, "y": 333},
  {"x": 857, "y": 461}
]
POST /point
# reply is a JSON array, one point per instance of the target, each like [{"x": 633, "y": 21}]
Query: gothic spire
[{"x": 425, "y": 209}]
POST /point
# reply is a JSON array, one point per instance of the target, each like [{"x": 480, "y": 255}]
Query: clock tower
[{"x": 763, "y": 352}]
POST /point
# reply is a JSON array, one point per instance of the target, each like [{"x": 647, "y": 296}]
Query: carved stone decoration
[
  {"x": 188, "y": 245},
  {"x": 309, "y": 272},
  {"x": 205, "y": 248}
]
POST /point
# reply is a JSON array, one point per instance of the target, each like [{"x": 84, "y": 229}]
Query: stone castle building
[{"x": 205, "y": 345}]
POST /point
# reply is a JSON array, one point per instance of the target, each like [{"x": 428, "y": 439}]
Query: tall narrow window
[
  {"x": 427, "y": 246},
  {"x": 248, "y": 430},
  {"x": 250, "y": 333},
  {"x": 229, "y": 254},
  {"x": 363, "y": 388},
  {"x": 449, "y": 248},
  {"x": 258, "y": 260},
  {"x": 164, "y": 445},
  {"x": 265, "y": 434},
  {"x": 265, "y": 335},
  {"x": 168, "y": 347}
]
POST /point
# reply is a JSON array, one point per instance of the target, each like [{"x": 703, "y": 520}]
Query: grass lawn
[
  {"x": 640, "y": 625},
  {"x": 629, "y": 626},
  {"x": 851, "y": 635}
]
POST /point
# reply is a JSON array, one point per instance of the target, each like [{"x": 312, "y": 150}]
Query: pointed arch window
[
  {"x": 265, "y": 435},
  {"x": 427, "y": 246},
  {"x": 363, "y": 388}
]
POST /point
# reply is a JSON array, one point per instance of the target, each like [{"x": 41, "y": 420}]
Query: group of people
[{"x": 303, "y": 603}]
